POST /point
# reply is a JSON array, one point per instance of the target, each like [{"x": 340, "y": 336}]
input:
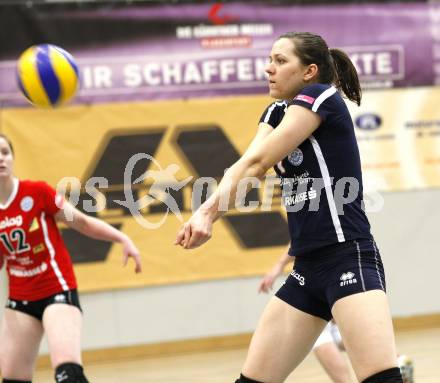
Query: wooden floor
[{"x": 422, "y": 345}]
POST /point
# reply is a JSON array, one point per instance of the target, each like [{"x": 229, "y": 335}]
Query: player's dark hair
[
  {"x": 334, "y": 66},
  {"x": 6, "y": 138}
]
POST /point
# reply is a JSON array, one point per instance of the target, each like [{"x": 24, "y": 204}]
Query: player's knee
[
  {"x": 392, "y": 375},
  {"x": 243, "y": 379},
  {"x": 15, "y": 381},
  {"x": 70, "y": 373}
]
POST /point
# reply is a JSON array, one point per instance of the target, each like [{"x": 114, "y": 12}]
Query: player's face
[
  {"x": 6, "y": 159},
  {"x": 285, "y": 70}
]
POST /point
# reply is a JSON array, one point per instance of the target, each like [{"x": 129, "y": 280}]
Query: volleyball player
[
  {"x": 43, "y": 295},
  {"x": 308, "y": 136}
]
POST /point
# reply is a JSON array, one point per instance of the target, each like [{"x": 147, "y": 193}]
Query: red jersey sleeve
[{"x": 53, "y": 201}]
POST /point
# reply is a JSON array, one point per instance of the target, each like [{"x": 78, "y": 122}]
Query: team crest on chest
[
  {"x": 296, "y": 157},
  {"x": 27, "y": 203}
]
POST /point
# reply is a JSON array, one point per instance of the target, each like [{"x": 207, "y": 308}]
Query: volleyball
[{"x": 47, "y": 75}]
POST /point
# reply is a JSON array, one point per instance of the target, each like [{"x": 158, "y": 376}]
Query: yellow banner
[{"x": 201, "y": 137}]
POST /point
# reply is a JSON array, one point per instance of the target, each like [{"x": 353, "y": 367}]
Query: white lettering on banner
[
  {"x": 98, "y": 76},
  {"x": 232, "y": 30},
  {"x": 372, "y": 63},
  {"x": 190, "y": 72},
  {"x": 28, "y": 273},
  {"x": 378, "y": 62},
  {"x": 9, "y": 222}
]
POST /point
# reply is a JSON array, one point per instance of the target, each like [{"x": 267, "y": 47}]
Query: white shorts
[{"x": 330, "y": 334}]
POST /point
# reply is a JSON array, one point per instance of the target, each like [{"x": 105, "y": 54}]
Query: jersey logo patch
[
  {"x": 27, "y": 203},
  {"x": 38, "y": 249},
  {"x": 34, "y": 225},
  {"x": 303, "y": 97},
  {"x": 347, "y": 278},
  {"x": 296, "y": 157},
  {"x": 59, "y": 298}
]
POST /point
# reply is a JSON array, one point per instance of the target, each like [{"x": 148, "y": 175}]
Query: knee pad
[
  {"x": 243, "y": 379},
  {"x": 392, "y": 375},
  {"x": 70, "y": 373},
  {"x": 15, "y": 381}
]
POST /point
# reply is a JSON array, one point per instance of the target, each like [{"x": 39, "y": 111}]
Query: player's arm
[
  {"x": 268, "y": 280},
  {"x": 97, "y": 229},
  {"x": 296, "y": 126},
  {"x": 262, "y": 132}
]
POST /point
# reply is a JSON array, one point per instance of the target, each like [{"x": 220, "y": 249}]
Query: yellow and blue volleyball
[{"x": 47, "y": 75}]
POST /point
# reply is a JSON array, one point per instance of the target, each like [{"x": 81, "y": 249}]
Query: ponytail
[{"x": 346, "y": 78}]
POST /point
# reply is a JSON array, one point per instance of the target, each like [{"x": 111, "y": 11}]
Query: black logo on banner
[{"x": 203, "y": 148}]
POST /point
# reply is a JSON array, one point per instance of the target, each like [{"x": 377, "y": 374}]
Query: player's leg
[
  {"x": 356, "y": 292},
  {"x": 333, "y": 362},
  {"x": 284, "y": 336},
  {"x": 365, "y": 322},
  {"x": 62, "y": 323},
  {"x": 20, "y": 337},
  {"x": 330, "y": 357}
]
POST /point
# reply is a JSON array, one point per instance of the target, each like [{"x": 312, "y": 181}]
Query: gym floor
[{"x": 421, "y": 345}]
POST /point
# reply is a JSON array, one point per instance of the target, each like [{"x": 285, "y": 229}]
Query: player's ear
[{"x": 310, "y": 73}]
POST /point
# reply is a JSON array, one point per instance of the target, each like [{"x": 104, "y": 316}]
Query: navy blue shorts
[
  {"x": 323, "y": 276},
  {"x": 36, "y": 308}
]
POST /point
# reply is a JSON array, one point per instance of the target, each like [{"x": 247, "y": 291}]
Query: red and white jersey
[{"x": 38, "y": 262}]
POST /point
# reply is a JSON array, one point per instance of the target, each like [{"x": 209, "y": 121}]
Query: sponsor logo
[
  {"x": 303, "y": 97},
  {"x": 28, "y": 273},
  {"x": 296, "y": 157},
  {"x": 34, "y": 225},
  {"x": 347, "y": 278},
  {"x": 38, "y": 249},
  {"x": 59, "y": 298},
  {"x": 368, "y": 121},
  {"x": 300, "y": 197},
  {"x": 27, "y": 203},
  {"x": 61, "y": 377},
  {"x": 9, "y": 222},
  {"x": 298, "y": 277}
]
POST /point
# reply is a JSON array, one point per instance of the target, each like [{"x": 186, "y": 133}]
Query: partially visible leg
[
  {"x": 284, "y": 336},
  {"x": 62, "y": 324},
  {"x": 20, "y": 338},
  {"x": 364, "y": 320},
  {"x": 333, "y": 362}
]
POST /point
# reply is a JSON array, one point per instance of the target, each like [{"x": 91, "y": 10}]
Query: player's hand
[
  {"x": 268, "y": 280},
  {"x": 196, "y": 231},
  {"x": 130, "y": 250}
]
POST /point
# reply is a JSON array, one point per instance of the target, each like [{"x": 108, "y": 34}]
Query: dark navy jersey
[{"x": 321, "y": 180}]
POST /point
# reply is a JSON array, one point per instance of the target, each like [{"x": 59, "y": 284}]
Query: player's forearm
[
  {"x": 285, "y": 258},
  {"x": 97, "y": 229}
]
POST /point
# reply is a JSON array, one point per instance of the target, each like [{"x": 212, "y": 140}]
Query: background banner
[
  {"x": 195, "y": 138},
  {"x": 164, "y": 51}
]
